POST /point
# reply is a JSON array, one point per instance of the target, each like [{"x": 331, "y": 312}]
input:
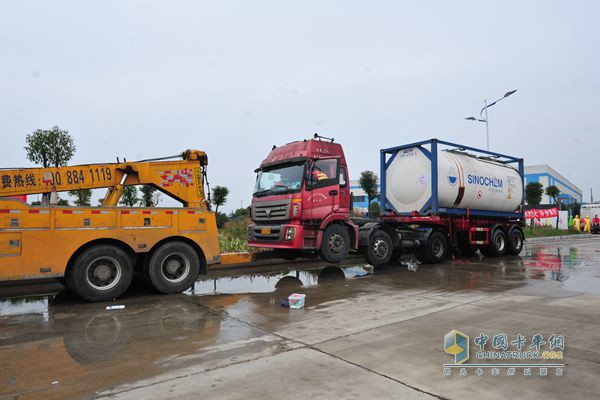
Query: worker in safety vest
[
  {"x": 587, "y": 227},
  {"x": 596, "y": 224},
  {"x": 576, "y": 223}
]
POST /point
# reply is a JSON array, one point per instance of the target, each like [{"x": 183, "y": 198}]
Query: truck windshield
[{"x": 279, "y": 179}]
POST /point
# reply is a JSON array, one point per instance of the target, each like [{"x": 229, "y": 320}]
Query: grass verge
[
  {"x": 544, "y": 231},
  {"x": 233, "y": 237}
]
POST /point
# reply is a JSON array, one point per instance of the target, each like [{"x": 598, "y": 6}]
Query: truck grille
[{"x": 276, "y": 210}]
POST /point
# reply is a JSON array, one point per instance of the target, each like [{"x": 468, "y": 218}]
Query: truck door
[
  {"x": 322, "y": 196},
  {"x": 344, "y": 198}
]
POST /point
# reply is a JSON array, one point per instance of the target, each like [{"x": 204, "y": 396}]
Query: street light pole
[
  {"x": 482, "y": 119},
  {"x": 487, "y": 126}
]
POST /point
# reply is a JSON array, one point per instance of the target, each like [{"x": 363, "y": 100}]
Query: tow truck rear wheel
[
  {"x": 173, "y": 267},
  {"x": 100, "y": 273},
  {"x": 380, "y": 249},
  {"x": 335, "y": 245}
]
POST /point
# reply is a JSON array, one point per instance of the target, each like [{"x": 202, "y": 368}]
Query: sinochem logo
[
  {"x": 452, "y": 178},
  {"x": 457, "y": 344}
]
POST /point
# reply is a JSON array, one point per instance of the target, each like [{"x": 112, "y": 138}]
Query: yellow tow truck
[{"x": 95, "y": 251}]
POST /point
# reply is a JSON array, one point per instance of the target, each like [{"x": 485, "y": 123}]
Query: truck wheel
[
  {"x": 515, "y": 242},
  {"x": 380, "y": 249},
  {"x": 497, "y": 246},
  {"x": 173, "y": 267},
  {"x": 335, "y": 245},
  {"x": 435, "y": 249},
  {"x": 100, "y": 273}
]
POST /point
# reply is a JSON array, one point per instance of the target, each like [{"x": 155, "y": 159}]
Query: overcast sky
[{"x": 140, "y": 79}]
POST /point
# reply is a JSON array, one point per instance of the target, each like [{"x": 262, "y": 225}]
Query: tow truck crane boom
[{"x": 180, "y": 179}]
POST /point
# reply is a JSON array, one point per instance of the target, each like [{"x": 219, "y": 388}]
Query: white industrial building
[{"x": 547, "y": 176}]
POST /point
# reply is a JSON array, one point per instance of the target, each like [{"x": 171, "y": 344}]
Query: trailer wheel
[
  {"x": 100, "y": 273},
  {"x": 173, "y": 267},
  {"x": 515, "y": 242},
  {"x": 380, "y": 248},
  {"x": 335, "y": 245},
  {"x": 434, "y": 251},
  {"x": 497, "y": 246}
]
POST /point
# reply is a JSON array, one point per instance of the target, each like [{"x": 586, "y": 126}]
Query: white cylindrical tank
[{"x": 464, "y": 181}]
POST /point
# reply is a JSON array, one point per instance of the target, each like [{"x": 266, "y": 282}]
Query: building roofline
[{"x": 553, "y": 172}]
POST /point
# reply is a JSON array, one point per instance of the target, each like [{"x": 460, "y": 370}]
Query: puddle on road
[
  {"x": 249, "y": 283},
  {"x": 265, "y": 283},
  {"x": 24, "y": 305},
  {"x": 575, "y": 268}
]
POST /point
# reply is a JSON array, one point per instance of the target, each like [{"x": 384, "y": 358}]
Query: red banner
[{"x": 537, "y": 214}]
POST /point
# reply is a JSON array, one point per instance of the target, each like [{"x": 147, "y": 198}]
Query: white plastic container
[
  {"x": 296, "y": 300},
  {"x": 464, "y": 181}
]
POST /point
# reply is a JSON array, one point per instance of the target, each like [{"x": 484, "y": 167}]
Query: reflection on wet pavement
[{"x": 56, "y": 346}]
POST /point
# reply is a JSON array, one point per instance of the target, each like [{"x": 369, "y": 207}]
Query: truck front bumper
[{"x": 284, "y": 236}]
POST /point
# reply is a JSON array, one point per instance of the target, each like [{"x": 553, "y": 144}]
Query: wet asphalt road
[{"x": 363, "y": 333}]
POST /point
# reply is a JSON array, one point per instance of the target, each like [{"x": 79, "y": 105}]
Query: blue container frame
[{"x": 431, "y": 207}]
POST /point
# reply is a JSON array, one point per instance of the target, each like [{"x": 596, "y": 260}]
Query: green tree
[
  {"x": 50, "y": 148},
  {"x": 533, "y": 195},
  {"x": 219, "y": 196},
  {"x": 554, "y": 192},
  {"x": 149, "y": 196},
  {"x": 221, "y": 219},
  {"x": 62, "y": 202},
  {"x": 129, "y": 197},
  {"x": 368, "y": 181},
  {"x": 83, "y": 197},
  {"x": 374, "y": 210},
  {"x": 242, "y": 212}
]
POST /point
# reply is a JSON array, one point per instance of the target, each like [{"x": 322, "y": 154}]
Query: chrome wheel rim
[
  {"x": 380, "y": 248},
  {"x": 437, "y": 248},
  {"x": 499, "y": 242},
  {"x": 517, "y": 242},
  {"x": 336, "y": 243},
  {"x": 103, "y": 273},
  {"x": 175, "y": 267}
]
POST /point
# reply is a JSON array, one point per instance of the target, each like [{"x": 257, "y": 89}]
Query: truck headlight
[{"x": 290, "y": 233}]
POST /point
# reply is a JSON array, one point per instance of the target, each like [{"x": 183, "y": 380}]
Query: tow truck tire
[
  {"x": 434, "y": 251},
  {"x": 173, "y": 267},
  {"x": 380, "y": 248},
  {"x": 100, "y": 273},
  {"x": 515, "y": 242},
  {"x": 497, "y": 246},
  {"x": 335, "y": 245}
]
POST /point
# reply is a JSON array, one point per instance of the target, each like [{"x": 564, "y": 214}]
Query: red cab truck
[
  {"x": 439, "y": 199},
  {"x": 301, "y": 201}
]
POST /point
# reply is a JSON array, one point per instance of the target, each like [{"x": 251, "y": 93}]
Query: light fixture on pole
[{"x": 482, "y": 119}]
